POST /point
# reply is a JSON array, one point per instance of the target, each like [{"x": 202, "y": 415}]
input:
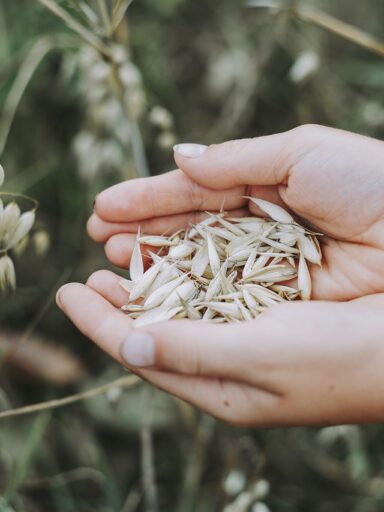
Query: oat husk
[{"x": 222, "y": 269}]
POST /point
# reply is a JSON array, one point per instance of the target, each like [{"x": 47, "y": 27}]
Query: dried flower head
[{"x": 14, "y": 229}]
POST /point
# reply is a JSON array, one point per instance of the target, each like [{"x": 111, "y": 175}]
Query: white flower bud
[
  {"x": 161, "y": 117},
  {"x": 7, "y": 273},
  {"x": 130, "y": 75},
  {"x": 260, "y": 507},
  {"x": 234, "y": 482},
  {"x": 261, "y": 488},
  {"x": 304, "y": 66},
  {"x": 41, "y": 242},
  {"x": 8, "y": 221},
  {"x": 23, "y": 227}
]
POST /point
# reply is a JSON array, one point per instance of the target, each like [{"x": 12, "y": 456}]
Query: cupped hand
[
  {"x": 300, "y": 363},
  {"x": 333, "y": 180}
]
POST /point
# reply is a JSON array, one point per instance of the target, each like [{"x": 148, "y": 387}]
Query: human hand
[
  {"x": 331, "y": 178},
  {"x": 272, "y": 370},
  {"x": 299, "y": 363}
]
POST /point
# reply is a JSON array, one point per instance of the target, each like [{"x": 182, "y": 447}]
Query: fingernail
[
  {"x": 58, "y": 296},
  {"x": 138, "y": 349},
  {"x": 190, "y": 150}
]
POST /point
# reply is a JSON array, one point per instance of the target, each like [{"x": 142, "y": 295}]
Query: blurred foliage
[{"x": 198, "y": 72}]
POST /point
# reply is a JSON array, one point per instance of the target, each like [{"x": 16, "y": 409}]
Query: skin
[{"x": 310, "y": 363}]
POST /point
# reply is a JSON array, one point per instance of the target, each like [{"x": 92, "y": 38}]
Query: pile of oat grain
[{"x": 224, "y": 269}]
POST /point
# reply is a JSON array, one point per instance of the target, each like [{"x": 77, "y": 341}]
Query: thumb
[
  {"x": 202, "y": 349},
  {"x": 192, "y": 348},
  {"x": 259, "y": 161}
]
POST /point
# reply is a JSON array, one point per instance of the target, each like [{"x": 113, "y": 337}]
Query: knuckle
[
  {"x": 195, "y": 195},
  {"x": 237, "y": 146},
  {"x": 190, "y": 359},
  {"x": 308, "y": 131}
]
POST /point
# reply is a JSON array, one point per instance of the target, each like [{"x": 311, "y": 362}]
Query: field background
[{"x": 195, "y": 71}]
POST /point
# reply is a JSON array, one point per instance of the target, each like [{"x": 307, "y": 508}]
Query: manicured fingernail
[
  {"x": 138, "y": 349},
  {"x": 190, "y": 150},
  {"x": 58, "y": 296}
]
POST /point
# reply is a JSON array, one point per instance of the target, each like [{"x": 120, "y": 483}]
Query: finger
[
  {"x": 106, "y": 284},
  {"x": 95, "y": 317},
  {"x": 100, "y": 230},
  {"x": 258, "y": 161},
  {"x": 375, "y": 300},
  {"x": 167, "y": 194},
  {"x": 119, "y": 250},
  {"x": 205, "y": 349}
]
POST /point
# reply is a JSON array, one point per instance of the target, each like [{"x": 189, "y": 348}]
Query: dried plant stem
[
  {"x": 120, "y": 8},
  {"x": 104, "y": 14},
  {"x": 138, "y": 150},
  {"x": 27, "y": 69},
  {"x": 336, "y": 26},
  {"x": 147, "y": 454},
  {"x": 195, "y": 465},
  {"x": 122, "y": 382},
  {"x": 326, "y": 21},
  {"x": 77, "y": 27},
  {"x": 118, "y": 12},
  {"x": 137, "y": 144},
  {"x": 20, "y": 196}
]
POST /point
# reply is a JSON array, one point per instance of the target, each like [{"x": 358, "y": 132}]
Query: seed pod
[
  {"x": 285, "y": 238},
  {"x": 309, "y": 249},
  {"x": 158, "y": 314},
  {"x": 250, "y": 262},
  {"x": 214, "y": 259},
  {"x": 166, "y": 274},
  {"x": 206, "y": 222},
  {"x": 181, "y": 251},
  {"x": 274, "y": 211},
  {"x": 304, "y": 279},
  {"x": 142, "y": 285},
  {"x": 200, "y": 261},
  {"x": 251, "y": 227},
  {"x": 231, "y": 227},
  {"x": 191, "y": 312},
  {"x": 244, "y": 311},
  {"x": 157, "y": 241},
  {"x": 185, "y": 291},
  {"x": 268, "y": 274},
  {"x": 279, "y": 245},
  {"x": 225, "y": 308},
  {"x": 249, "y": 299},
  {"x": 159, "y": 295},
  {"x": 222, "y": 233},
  {"x": 136, "y": 267}
]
